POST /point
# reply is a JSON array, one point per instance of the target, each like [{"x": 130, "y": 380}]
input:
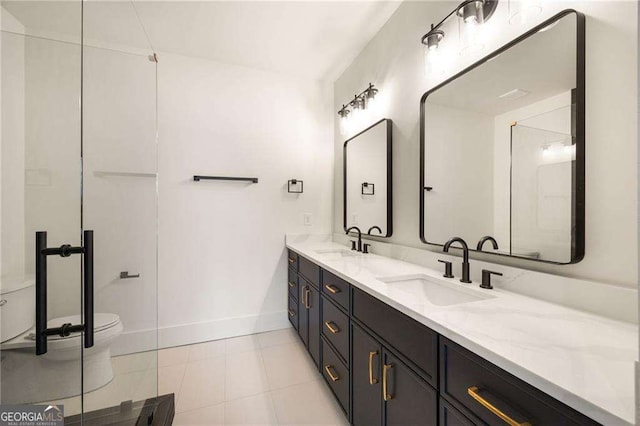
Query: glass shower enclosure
[{"x": 78, "y": 219}]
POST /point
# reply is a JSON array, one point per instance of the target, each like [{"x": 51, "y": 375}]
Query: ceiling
[{"x": 314, "y": 39}]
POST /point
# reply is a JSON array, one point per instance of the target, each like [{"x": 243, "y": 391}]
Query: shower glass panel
[
  {"x": 78, "y": 152},
  {"x": 40, "y": 190}
]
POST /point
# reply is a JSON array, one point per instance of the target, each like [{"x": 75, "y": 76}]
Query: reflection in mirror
[
  {"x": 503, "y": 148},
  {"x": 367, "y": 180}
]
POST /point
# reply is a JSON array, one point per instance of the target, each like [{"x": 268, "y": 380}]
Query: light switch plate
[{"x": 308, "y": 219}]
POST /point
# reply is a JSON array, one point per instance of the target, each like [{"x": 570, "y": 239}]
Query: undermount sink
[
  {"x": 338, "y": 252},
  {"x": 438, "y": 293}
]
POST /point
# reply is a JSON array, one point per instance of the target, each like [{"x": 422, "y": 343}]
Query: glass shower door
[
  {"x": 78, "y": 153},
  {"x": 40, "y": 190}
]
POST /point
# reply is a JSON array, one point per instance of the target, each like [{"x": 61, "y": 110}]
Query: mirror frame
[
  {"x": 577, "y": 250},
  {"x": 389, "y": 124}
]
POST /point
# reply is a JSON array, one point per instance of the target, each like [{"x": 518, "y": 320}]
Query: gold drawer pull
[
  {"x": 292, "y": 285},
  {"x": 372, "y": 380},
  {"x": 292, "y": 312},
  {"x": 332, "y": 327},
  {"x": 332, "y": 288},
  {"x": 473, "y": 392},
  {"x": 385, "y": 382},
  {"x": 292, "y": 260},
  {"x": 307, "y": 292},
  {"x": 334, "y": 377}
]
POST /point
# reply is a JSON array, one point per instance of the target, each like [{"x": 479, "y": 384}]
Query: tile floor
[{"x": 260, "y": 379}]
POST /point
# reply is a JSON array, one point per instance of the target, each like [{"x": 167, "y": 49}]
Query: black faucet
[
  {"x": 374, "y": 227},
  {"x": 465, "y": 256},
  {"x": 359, "y": 237},
  {"x": 486, "y": 238}
]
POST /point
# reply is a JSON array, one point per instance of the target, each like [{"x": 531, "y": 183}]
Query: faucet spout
[
  {"x": 486, "y": 238},
  {"x": 359, "y": 236},
  {"x": 465, "y": 256},
  {"x": 374, "y": 227}
]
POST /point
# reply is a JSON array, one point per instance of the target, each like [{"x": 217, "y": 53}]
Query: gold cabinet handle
[
  {"x": 385, "y": 382},
  {"x": 334, "y": 377},
  {"x": 372, "y": 380},
  {"x": 292, "y": 312},
  {"x": 473, "y": 392},
  {"x": 307, "y": 304},
  {"x": 332, "y": 289},
  {"x": 292, "y": 285},
  {"x": 332, "y": 327},
  {"x": 292, "y": 260}
]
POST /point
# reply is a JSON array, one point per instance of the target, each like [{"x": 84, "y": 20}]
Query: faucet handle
[
  {"x": 353, "y": 245},
  {"x": 486, "y": 278},
  {"x": 448, "y": 268},
  {"x": 365, "y": 248}
]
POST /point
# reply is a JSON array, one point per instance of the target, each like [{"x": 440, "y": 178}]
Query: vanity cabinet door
[
  {"x": 303, "y": 314},
  {"x": 366, "y": 367},
  {"x": 408, "y": 399},
  {"x": 313, "y": 311}
]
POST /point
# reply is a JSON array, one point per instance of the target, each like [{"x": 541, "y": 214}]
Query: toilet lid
[{"x": 100, "y": 322}]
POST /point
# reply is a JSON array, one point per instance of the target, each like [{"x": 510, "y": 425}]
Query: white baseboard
[{"x": 186, "y": 334}]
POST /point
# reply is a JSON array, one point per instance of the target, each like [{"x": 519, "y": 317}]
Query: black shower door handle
[{"x": 65, "y": 250}]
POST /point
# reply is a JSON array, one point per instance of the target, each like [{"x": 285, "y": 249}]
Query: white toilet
[{"x": 27, "y": 378}]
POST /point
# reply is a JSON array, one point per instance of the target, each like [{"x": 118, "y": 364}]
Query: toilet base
[{"x": 27, "y": 378}]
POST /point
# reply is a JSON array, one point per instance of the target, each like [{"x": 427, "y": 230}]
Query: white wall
[
  {"x": 393, "y": 62},
  {"x": 221, "y": 244}
]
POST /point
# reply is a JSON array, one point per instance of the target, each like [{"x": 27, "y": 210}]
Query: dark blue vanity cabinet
[
  {"x": 385, "y": 368},
  {"x": 304, "y": 302}
]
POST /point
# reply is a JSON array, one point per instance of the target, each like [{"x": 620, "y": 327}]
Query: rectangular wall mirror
[
  {"x": 502, "y": 148},
  {"x": 367, "y": 180}
]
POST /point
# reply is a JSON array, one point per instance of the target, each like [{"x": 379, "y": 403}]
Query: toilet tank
[{"x": 17, "y": 306}]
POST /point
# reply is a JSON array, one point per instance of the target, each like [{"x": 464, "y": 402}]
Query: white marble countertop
[{"x": 584, "y": 360}]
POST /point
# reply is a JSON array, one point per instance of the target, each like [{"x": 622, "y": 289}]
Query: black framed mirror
[
  {"x": 502, "y": 148},
  {"x": 367, "y": 184}
]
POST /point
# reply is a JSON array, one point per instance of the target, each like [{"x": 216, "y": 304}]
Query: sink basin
[
  {"x": 338, "y": 252},
  {"x": 438, "y": 293}
]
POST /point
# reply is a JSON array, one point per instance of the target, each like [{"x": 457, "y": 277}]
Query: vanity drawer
[
  {"x": 293, "y": 312},
  {"x": 292, "y": 260},
  {"x": 309, "y": 270},
  {"x": 449, "y": 416},
  {"x": 335, "y": 327},
  {"x": 483, "y": 388},
  {"x": 336, "y": 289},
  {"x": 292, "y": 284},
  {"x": 413, "y": 340},
  {"x": 336, "y": 374}
]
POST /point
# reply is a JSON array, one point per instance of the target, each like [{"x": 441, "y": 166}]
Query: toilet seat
[
  {"x": 104, "y": 326},
  {"x": 100, "y": 322}
]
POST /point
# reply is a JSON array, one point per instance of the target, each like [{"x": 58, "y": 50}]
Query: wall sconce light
[
  {"x": 472, "y": 14},
  {"x": 295, "y": 183},
  {"x": 432, "y": 57},
  {"x": 523, "y": 11},
  {"x": 344, "y": 120},
  {"x": 360, "y": 102}
]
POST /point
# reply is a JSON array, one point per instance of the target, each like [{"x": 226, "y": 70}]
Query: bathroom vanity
[{"x": 399, "y": 344}]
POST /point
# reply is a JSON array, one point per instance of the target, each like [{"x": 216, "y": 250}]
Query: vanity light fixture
[
  {"x": 472, "y": 15},
  {"x": 355, "y": 108}
]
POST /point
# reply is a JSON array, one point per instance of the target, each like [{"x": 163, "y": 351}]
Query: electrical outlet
[
  {"x": 354, "y": 219},
  {"x": 308, "y": 219}
]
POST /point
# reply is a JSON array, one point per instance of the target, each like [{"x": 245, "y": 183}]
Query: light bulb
[
  {"x": 344, "y": 120},
  {"x": 433, "y": 61},
  {"x": 470, "y": 27}
]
